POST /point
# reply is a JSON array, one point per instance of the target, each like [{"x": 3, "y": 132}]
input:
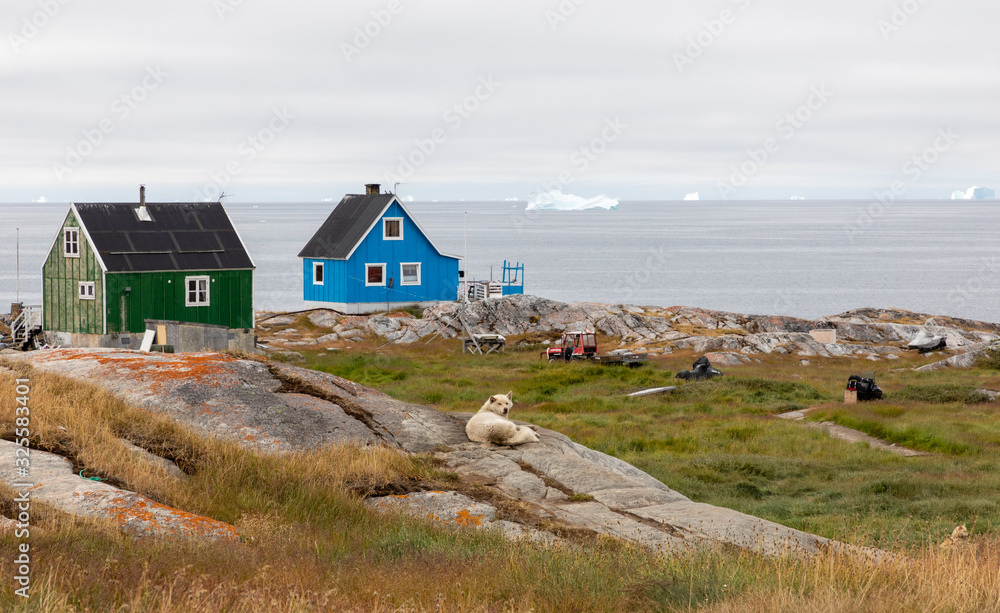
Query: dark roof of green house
[
  {"x": 346, "y": 226},
  {"x": 183, "y": 236}
]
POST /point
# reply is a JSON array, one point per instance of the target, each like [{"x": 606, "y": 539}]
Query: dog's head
[
  {"x": 960, "y": 532},
  {"x": 499, "y": 404}
]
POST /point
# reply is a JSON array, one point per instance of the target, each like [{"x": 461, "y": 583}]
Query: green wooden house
[{"x": 116, "y": 270}]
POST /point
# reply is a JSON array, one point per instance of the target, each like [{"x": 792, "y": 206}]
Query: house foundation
[{"x": 182, "y": 336}]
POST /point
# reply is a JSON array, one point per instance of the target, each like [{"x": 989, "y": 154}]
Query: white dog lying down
[{"x": 490, "y": 424}]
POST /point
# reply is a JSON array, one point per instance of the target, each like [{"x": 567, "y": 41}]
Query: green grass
[
  {"x": 990, "y": 360},
  {"x": 718, "y": 442},
  {"x": 940, "y": 394},
  {"x": 309, "y": 543}
]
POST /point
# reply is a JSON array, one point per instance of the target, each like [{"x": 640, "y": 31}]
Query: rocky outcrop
[
  {"x": 558, "y": 484},
  {"x": 874, "y": 333},
  {"x": 458, "y": 510},
  {"x": 53, "y": 481},
  {"x": 963, "y": 360}
]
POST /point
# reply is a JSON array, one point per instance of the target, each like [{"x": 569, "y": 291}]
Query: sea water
[{"x": 799, "y": 258}]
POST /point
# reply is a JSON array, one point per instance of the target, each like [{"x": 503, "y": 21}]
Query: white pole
[
  {"x": 466, "y": 256},
  {"x": 17, "y": 258}
]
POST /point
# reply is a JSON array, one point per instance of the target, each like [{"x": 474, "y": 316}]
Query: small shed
[
  {"x": 115, "y": 270},
  {"x": 371, "y": 255}
]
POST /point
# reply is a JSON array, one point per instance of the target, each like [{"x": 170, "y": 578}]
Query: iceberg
[
  {"x": 974, "y": 193},
  {"x": 555, "y": 200},
  {"x": 694, "y": 196}
]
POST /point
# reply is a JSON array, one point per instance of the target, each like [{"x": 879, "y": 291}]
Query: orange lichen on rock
[
  {"x": 467, "y": 519},
  {"x": 207, "y": 368},
  {"x": 160, "y": 520}
]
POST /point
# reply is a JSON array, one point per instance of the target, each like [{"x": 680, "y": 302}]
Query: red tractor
[
  {"x": 574, "y": 346},
  {"x": 583, "y": 346}
]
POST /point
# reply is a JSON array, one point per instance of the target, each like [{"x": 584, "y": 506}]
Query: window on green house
[
  {"x": 71, "y": 242},
  {"x": 86, "y": 291},
  {"x": 197, "y": 291}
]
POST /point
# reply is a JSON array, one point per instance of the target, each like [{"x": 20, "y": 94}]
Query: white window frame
[
  {"x": 367, "y": 284},
  {"x": 392, "y": 238},
  {"x": 322, "y": 271},
  {"x": 402, "y": 277},
  {"x": 187, "y": 291},
  {"x": 87, "y": 290},
  {"x": 74, "y": 241}
]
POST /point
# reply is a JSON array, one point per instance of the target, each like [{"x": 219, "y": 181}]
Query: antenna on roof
[
  {"x": 395, "y": 186},
  {"x": 224, "y": 195}
]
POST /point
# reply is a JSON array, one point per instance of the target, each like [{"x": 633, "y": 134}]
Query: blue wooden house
[{"x": 371, "y": 255}]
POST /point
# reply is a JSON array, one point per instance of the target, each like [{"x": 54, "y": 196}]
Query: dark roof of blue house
[
  {"x": 183, "y": 236},
  {"x": 346, "y": 226}
]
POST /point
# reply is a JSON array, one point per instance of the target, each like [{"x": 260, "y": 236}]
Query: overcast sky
[{"x": 294, "y": 101}]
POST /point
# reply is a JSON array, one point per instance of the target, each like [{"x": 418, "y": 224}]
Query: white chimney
[{"x": 142, "y": 213}]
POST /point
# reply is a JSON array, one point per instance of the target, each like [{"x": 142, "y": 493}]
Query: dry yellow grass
[
  {"x": 310, "y": 545},
  {"x": 967, "y": 580},
  {"x": 87, "y": 424}
]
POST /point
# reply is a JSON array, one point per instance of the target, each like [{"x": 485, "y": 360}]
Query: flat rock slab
[
  {"x": 622, "y": 503},
  {"x": 453, "y": 509},
  {"x": 53, "y": 482},
  {"x": 705, "y": 524},
  {"x": 963, "y": 360},
  {"x": 411, "y": 427},
  {"x": 602, "y": 520},
  {"x": 652, "y": 392},
  {"x": 854, "y": 436},
  {"x": 442, "y": 507},
  {"x": 993, "y": 395},
  {"x": 171, "y": 468},
  {"x": 215, "y": 394}
]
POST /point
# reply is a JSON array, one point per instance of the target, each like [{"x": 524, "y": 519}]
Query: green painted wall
[
  {"x": 161, "y": 295},
  {"x": 64, "y": 311}
]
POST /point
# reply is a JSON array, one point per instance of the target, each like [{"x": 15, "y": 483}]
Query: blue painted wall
[{"x": 344, "y": 281}]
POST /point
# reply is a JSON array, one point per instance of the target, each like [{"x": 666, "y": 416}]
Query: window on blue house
[
  {"x": 317, "y": 273},
  {"x": 375, "y": 274},
  {"x": 392, "y": 228},
  {"x": 409, "y": 272}
]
